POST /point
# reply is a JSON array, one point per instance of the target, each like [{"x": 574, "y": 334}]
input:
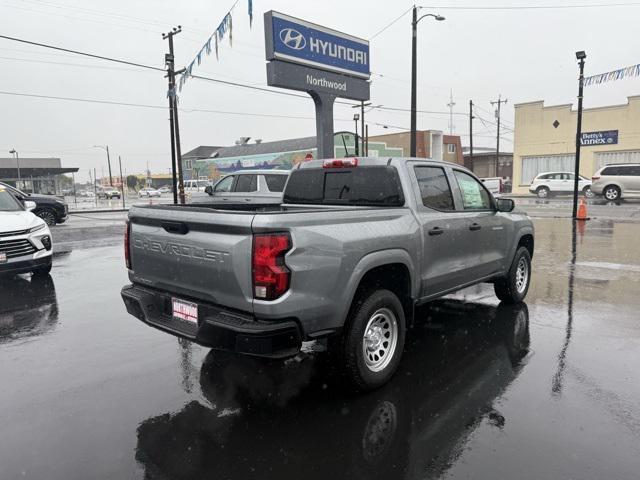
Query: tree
[{"x": 132, "y": 182}]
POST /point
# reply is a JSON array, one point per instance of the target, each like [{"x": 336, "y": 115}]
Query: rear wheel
[
  {"x": 611, "y": 193},
  {"x": 543, "y": 192},
  {"x": 587, "y": 192},
  {"x": 514, "y": 287},
  {"x": 373, "y": 339}
]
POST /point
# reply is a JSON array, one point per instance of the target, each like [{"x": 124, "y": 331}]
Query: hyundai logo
[{"x": 293, "y": 39}]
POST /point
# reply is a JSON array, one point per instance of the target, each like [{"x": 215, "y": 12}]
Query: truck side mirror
[
  {"x": 208, "y": 189},
  {"x": 505, "y": 205}
]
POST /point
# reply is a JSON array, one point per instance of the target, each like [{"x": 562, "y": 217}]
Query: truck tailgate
[{"x": 201, "y": 254}]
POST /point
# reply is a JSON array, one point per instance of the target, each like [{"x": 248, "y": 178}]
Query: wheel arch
[{"x": 393, "y": 270}]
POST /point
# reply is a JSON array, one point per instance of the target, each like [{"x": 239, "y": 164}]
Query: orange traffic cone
[{"x": 582, "y": 210}]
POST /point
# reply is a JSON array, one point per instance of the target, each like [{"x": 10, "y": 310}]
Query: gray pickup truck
[{"x": 355, "y": 246}]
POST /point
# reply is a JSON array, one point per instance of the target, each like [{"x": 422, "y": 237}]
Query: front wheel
[
  {"x": 373, "y": 339},
  {"x": 42, "y": 271},
  {"x": 514, "y": 287},
  {"x": 48, "y": 216}
]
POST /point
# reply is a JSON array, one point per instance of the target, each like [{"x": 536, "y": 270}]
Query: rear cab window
[{"x": 361, "y": 186}]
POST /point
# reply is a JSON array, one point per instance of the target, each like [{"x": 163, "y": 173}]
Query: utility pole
[
  {"x": 451, "y": 104},
  {"x": 414, "y": 63},
  {"x": 121, "y": 181},
  {"x": 470, "y": 166},
  {"x": 109, "y": 163},
  {"x": 356, "y": 117},
  {"x": 581, "y": 57},
  {"x": 176, "y": 154},
  {"x": 362, "y": 133},
  {"x": 499, "y": 102},
  {"x": 15, "y": 152}
]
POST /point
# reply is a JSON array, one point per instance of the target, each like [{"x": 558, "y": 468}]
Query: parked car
[
  {"x": 149, "y": 192},
  {"x": 192, "y": 186},
  {"x": 255, "y": 186},
  {"x": 496, "y": 185},
  {"x": 559, "y": 183},
  {"x": 165, "y": 189},
  {"x": 67, "y": 191},
  {"x": 617, "y": 181},
  {"x": 25, "y": 240},
  {"x": 109, "y": 193},
  {"x": 50, "y": 208},
  {"x": 353, "y": 248}
]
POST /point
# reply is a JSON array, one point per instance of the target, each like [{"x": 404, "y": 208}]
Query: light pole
[
  {"x": 106, "y": 147},
  {"x": 15, "y": 154},
  {"x": 414, "y": 38},
  {"x": 356, "y": 117},
  {"x": 580, "y": 56}
]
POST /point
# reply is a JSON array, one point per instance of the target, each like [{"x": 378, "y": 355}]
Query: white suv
[
  {"x": 559, "y": 183},
  {"x": 617, "y": 181},
  {"x": 25, "y": 240}
]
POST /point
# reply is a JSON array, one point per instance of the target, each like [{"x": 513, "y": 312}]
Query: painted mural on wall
[{"x": 213, "y": 168}]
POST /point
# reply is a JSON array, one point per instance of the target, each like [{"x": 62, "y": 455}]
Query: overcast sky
[{"x": 524, "y": 55}]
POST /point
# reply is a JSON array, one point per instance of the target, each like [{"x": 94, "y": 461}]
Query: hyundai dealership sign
[{"x": 293, "y": 40}]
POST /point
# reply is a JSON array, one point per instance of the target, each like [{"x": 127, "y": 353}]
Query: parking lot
[{"x": 546, "y": 390}]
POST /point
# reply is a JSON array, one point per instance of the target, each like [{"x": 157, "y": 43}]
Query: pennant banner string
[
  {"x": 632, "y": 71},
  {"x": 224, "y": 28}
]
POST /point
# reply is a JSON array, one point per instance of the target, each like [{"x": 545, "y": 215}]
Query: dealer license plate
[
  {"x": 186, "y": 311},
  {"x": 3, "y": 257}
]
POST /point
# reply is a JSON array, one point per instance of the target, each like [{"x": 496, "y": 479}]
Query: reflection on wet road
[{"x": 547, "y": 390}]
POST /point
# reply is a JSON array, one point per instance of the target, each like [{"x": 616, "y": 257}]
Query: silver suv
[{"x": 617, "y": 181}]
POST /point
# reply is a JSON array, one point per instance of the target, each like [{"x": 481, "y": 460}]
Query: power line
[
  {"x": 84, "y": 54},
  {"x": 161, "y": 107},
  {"x": 536, "y": 7},
  {"x": 390, "y": 23}
]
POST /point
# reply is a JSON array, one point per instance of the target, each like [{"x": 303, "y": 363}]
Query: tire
[
  {"x": 611, "y": 193},
  {"x": 543, "y": 192},
  {"x": 586, "y": 191},
  {"x": 43, "y": 271},
  {"x": 514, "y": 287},
  {"x": 375, "y": 325},
  {"x": 48, "y": 216}
]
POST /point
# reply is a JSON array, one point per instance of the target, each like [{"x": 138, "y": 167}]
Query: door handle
[
  {"x": 436, "y": 231},
  {"x": 474, "y": 227}
]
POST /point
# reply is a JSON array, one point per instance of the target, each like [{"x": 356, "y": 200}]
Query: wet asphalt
[{"x": 549, "y": 389}]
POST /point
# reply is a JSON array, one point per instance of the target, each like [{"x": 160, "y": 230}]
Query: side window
[
  {"x": 224, "y": 185},
  {"x": 474, "y": 195},
  {"x": 634, "y": 171},
  {"x": 246, "y": 183},
  {"x": 275, "y": 183},
  {"x": 434, "y": 188}
]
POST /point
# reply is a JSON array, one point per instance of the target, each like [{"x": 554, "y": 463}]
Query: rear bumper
[
  {"x": 24, "y": 266},
  {"x": 217, "y": 327}
]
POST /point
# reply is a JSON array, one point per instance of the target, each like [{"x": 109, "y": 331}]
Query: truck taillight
[
  {"x": 270, "y": 274},
  {"x": 127, "y": 252},
  {"x": 341, "y": 163}
]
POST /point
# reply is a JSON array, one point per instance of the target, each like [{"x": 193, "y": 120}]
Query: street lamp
[
  {"x": 356, "y": 117},
  {"x": 580, "y": 56},
  {"x": 106, "y": 147},
  {"x": 414, "y": 38},
  {"x": 15, "y": 154}
]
